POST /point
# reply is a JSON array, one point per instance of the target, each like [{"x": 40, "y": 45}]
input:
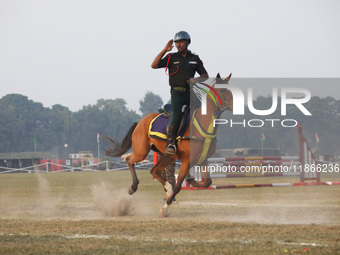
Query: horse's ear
[
  {"x": 218, "y": 79},
  {"x": 228, "y": 78}
]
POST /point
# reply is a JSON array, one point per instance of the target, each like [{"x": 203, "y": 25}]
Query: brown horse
[{"x": 194, "y": 148}]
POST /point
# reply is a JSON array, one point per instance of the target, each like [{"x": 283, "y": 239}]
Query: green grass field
[{"x": 79, "y": 213}]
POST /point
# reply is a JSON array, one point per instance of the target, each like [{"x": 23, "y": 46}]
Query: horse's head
[
  {"x": 225, "y": 95},
  {"x": 217, "y": 97}
]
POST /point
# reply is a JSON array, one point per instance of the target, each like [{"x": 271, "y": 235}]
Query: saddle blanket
[{"x": 158, "y": 126}]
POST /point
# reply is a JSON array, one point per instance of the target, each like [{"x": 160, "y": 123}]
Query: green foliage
[
  {"x": 21, "y": 118},
  {"x": 150, "y": 103}
]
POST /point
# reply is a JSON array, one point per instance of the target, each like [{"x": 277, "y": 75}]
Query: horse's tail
[{"x": 117, "y": 149}]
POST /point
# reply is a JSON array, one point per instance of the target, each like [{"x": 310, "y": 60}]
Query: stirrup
[{"x": 170, "y": 149}]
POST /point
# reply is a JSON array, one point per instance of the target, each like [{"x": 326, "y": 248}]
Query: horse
[{"x": 194, "y": 148}]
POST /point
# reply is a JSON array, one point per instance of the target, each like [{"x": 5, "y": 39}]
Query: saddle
[{"x": 159, "y": 126}]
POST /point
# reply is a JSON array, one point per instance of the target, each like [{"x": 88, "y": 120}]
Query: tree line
[{"x": 24, "y": 122}]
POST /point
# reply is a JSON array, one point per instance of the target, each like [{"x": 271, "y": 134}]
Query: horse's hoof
[
  {"x": 164, "y": 211},
  {"x": 133, "y": 188},
  {"x": 130, "y": 191},
  {"x": 168, "y": 201}
]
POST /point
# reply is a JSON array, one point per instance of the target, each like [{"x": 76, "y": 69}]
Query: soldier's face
[{"x": 182, "y": 45}]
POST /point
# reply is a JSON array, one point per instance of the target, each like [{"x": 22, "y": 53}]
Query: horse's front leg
[
  {"x": 183, "y": 171},
  {"x": 181, "y": 176},
  {"x": 206, "y": 179},
  {"x": 169, "y": 174},
  {"x": 156, "y": 171}
]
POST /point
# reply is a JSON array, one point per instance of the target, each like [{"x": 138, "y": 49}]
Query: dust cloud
[
  {"x": 47, "y": 202},
  {"x": 37, "y": 201},
  {"x": 110, "y": 202},
  {"x": 97, "y": 200}
]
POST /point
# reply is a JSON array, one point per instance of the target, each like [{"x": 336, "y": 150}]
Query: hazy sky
[{"x": 73, "y": 52}]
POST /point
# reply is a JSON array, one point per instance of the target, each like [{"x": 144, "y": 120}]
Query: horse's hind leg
[{"x": 135, "y": 181}]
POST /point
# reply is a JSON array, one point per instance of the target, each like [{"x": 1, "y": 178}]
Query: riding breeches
[{"x": 178, "y": 100}]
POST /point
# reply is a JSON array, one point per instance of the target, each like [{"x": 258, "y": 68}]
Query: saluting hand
[{"x": 169, "y": 46}]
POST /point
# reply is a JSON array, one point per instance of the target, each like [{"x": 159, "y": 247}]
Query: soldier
[{"x": 181, "y": 66}]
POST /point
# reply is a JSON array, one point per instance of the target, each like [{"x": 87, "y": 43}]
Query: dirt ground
[{"x": 91, "y": 213}]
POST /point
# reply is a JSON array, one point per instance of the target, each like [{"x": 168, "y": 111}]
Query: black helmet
[{"x": 182, "y": 35}]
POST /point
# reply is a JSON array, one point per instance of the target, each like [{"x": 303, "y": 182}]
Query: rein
[{"x": 224, "y": 104}]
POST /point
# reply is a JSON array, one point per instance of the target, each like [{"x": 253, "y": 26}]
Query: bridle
[{"x": 225, "y": 102}]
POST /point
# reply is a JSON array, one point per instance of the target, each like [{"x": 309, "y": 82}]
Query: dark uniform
[{"x": 180, "y": 70}]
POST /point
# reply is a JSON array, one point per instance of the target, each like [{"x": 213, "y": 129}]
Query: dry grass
[{"x": 78, "y": 213}]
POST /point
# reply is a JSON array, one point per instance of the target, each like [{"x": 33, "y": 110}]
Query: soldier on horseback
[{"x": 181, "y": 66}]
